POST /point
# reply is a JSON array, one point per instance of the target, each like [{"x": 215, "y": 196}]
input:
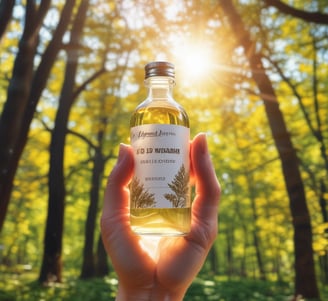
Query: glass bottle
[{"x": 160, "y": 190}]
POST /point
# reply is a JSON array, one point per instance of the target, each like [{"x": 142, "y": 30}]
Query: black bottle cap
[{"x": 159, "y": 69}]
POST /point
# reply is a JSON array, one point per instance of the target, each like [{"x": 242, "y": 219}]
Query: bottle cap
[{"x": 159, "y": 69}]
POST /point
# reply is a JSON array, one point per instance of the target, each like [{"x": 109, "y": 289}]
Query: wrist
[
  {"x": 166, "y": 296},
  {"x": 158, "y": 294},
  {"x": 124, "y": 294}
]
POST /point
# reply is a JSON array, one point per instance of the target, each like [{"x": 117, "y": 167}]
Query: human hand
[{"x": 166, "y": 271}]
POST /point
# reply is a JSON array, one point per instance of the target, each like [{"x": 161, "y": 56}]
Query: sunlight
[
  {"x": 194, "y": 60},
  {"x": 150, "y": 245}
]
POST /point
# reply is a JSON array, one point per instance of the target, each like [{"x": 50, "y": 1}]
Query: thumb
[{"x": 206, "y": 202}]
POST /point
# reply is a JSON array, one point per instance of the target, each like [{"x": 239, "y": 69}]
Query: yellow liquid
[
  {"x": 160, "y": 221},
  {"x": 159, "y": 115}
]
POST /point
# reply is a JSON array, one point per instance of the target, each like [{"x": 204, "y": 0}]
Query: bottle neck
[{"x": 160, "y": 87}]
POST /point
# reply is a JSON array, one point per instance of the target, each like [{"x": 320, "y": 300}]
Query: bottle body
[{"x": 159, "y": 190}]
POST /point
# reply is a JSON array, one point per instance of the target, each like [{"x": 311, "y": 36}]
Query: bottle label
[{"x": 161, "y": 172}]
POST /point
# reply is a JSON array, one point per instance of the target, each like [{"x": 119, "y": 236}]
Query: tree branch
[
  {"x": 288, "y": 81},
  {"x": 82, "y": 137},
  {"x": 81, "y": 88},
  {"x": 312, "y": 17}
]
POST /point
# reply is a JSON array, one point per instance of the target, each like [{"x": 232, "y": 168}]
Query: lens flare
[{"x": 194, "y": 60}]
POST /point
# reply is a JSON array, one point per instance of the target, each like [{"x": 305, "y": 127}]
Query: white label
[{"x": 161, "y": 174}]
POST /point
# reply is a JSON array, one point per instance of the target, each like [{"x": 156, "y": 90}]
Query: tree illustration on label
[
  {"x": 140, "y": 196},
  {"x": 180, "y": 187}
]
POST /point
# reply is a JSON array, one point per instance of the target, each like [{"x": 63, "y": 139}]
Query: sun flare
[{"x": 194, "y": 60}]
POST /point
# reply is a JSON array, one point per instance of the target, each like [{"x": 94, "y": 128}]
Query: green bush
[
  {"x": 15, "y": 287},
  {"x": 250, "y": 290}
]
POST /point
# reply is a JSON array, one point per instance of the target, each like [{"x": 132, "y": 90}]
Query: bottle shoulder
[
  {"x": 159, "y": 102},
  {"x": 160, "y": 112}
]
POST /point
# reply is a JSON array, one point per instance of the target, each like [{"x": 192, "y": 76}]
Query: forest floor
[{"x": 23, "y": 287}]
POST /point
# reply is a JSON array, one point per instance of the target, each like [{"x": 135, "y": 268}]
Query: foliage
[
  {"x": 140, "y": 196},
  {"x": 180, "y": 187},
  {"x": 21, "y": 287}
]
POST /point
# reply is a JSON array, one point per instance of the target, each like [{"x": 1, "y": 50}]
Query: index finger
[{"x": 117, "y": 192}]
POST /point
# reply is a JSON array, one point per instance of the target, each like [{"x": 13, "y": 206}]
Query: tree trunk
[
  {"x": 259, "y": 255},
  {"x": 88, "y": 265},
  {"x": 256, "y": 238},
  {"x": 52, "y": 261},
  {"x": 214, "y": 260},
  {"x": 230, "y": 256},
  {"x": 51, "y": 264},
  {"x": 323, "y": 259},
  {"x": 6, "y": 9},
  {"x": 102, "y": 267},
  {"x": 252, "y": 196},
  {"x": 18, "y": 110},
  {"x": 17, "y": 98},
  {"x": 305, "y": 279}
]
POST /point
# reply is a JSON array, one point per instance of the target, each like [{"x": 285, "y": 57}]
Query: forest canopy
[{"x": 252, "y": 75}]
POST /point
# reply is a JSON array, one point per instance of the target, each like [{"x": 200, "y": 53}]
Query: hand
[{"x": 166, "y": 270}]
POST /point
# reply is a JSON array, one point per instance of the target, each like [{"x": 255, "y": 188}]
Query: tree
[
  {"x": 17, "y": 101},
  {"x": 312, "y": 106},
  {"x": 250, "y": 183},
  {"x": 51, "y": 270},
  {"x": 88, "y": 266},
  {"x": 105, "y": 116},
  {"x": 305, "y": 279},
  {"x": 22, "y": 99}
]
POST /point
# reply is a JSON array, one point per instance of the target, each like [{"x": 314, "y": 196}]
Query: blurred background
[{"x": 252, "y": 75}]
